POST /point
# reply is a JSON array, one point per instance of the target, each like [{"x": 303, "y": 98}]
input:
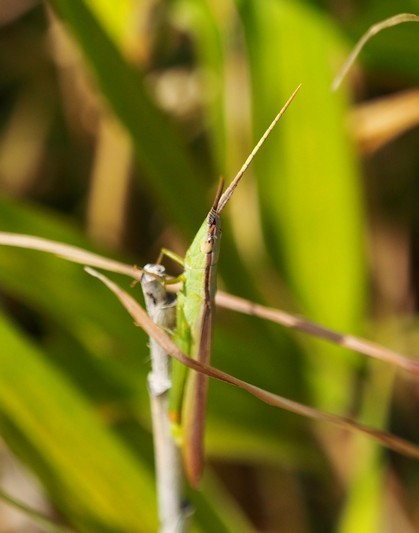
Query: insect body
[
  {"x": 194, "y": 315},
  {"x": 195, "y": 309}
]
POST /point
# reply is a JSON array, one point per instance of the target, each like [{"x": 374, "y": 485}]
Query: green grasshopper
[{"x": 194, "y": 316}]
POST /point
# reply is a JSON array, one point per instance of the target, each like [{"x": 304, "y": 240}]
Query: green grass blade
[
  {"x": 114, "y": 383},
  {"x": 90, "y": 474},
  {"x": 158, "y": 146},
  {"x": 309, "y": 185}
]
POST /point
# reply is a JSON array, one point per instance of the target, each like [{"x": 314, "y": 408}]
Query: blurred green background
[{"x": 116, "y": 120}]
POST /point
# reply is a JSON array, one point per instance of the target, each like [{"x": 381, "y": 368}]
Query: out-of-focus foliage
[{"x": 116, "y": 120}]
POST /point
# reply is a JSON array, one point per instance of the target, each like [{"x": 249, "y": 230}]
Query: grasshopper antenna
[{"x": 229, "y": 191}]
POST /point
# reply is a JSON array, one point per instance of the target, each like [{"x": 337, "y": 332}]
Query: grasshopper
[{"x": 194, "y": 318}]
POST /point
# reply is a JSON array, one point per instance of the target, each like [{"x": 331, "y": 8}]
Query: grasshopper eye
[{"x": 207, "y": 245}]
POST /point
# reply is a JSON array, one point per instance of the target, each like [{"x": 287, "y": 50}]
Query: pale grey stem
[{"x": 161, "y": 309}]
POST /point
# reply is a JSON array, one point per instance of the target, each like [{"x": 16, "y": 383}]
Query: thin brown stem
[
  {"x": 142, "y": 319},
  {"x": 368, "y": 348}
]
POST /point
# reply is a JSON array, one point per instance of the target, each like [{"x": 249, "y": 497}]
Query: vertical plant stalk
[{"x": 161, "y": 307}]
